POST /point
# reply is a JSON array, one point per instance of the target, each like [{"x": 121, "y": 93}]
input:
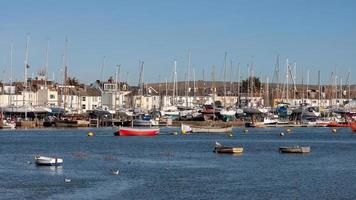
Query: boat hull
[
  {"x": 353, "y": 126},
  {"x": 211, "y": 129},
  {"x": 136, "y": 132},
  {"x": 228, "y": 150},
  {"x": 294, "y": 149},
  {"x": 336, "y": 124},
  {"x": 48, "y": 161}
]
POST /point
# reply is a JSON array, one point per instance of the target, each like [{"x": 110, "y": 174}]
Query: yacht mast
[
  {"x": 287, "y": 81},
  {"x": 26, "y": 68},
  {"x": 193, "y": 81},
  {"x": 174, "y": 82},
  {"x": 65, "y": 62},
  {"x": 11, "y": 73},
  {"x": 238, "y": 83},
  {"x": 117, "y": 84},
  {"x": 225, "y": 64},
  {"x": 188, "y": 78}
]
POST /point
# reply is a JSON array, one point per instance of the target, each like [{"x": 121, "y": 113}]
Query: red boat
[
  {"x": 353, "y": 126},
  {"x": 136, "y": 132},
  {"x": 336, "y": 124}
]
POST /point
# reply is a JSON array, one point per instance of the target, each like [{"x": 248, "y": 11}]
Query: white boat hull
[{"x": 48, "y": 161}]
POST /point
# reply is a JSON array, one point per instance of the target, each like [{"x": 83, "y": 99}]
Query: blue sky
[{"x": 317, "y": 35}]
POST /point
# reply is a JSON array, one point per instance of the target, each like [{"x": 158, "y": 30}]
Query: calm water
[{"x": 178, "y": 167}]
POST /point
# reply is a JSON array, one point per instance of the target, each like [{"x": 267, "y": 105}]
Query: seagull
[
  {"x": 115, "y": 172},
  {"x": 67, "y": 180}
]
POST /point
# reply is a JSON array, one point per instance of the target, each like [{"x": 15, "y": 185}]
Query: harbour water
[{"x": 178, "y": 166}]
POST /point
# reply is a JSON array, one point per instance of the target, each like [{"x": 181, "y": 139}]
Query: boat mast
[
  {"x": 193, "y": 82},
  {"x": 117, "y": 84},
  {"x": 287, "y": 81},
  {"x": 307, "y": 85},
  {"x": 248, "y": 81},
  {"x": 319, "y": 93},
  {"x": 238, "y": 82},
  {"x": 267, "y": 91},
  {"x": 204, "y": 85},
  {"x": 213, "y": 87},
  {"x": 231, "y": 86},
  {"x": 174, "y": 82},
  {"x": 26, "y": 68},
  {"x": 276, "y": 79},
  {"x": 65, "y": 62},
  {"x": 140, "y": 80},
  {"x": 11, "y": 73},
  {"x": 47, "y": 64},
  {"x": 188, "y": 79},
  {"x": 225, "y": 78}
]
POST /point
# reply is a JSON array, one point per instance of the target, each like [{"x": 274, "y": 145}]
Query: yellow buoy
[
  {"x": 90, "y": 134},
  {"x": 184, "y": 131},
  {"x": 288, "y": 130},
  {"x": 334, "y": 130}
]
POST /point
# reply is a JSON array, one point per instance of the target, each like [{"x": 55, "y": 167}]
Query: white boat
[
  {"x": 269, "y": 121},
  {"x": 142, "y": 122},
  {"x": 48, "y": 161},
  {"x": 228, "y": 113},
  {"x": 23, "y": 109},
  {"x": 170, "y": 111},
  {"x": 239, "y": 111},
  {"x": 185, "y": 129},
  {"x": 8, "y": 125},
  {"x": 211, "y": 129}
]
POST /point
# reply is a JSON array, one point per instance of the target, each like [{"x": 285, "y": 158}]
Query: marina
[
  {"x": 175, "y": 161},
  {"x": 177, "y": 100}
]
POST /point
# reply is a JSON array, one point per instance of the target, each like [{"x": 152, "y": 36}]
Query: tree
[
  {"x": 73, "y": 81},
  {"x": 253, "y": 83}
]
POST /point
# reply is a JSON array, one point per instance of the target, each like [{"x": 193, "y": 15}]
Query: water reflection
[{"x": 54, "y": 170}]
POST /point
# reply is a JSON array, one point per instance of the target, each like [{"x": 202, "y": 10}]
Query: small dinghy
[
  {"x": 219, "y": 148},
  {"x": 294, "y": 149},
  {"x": 48, "y": 161},
  {"x": 136, "y": 132}
]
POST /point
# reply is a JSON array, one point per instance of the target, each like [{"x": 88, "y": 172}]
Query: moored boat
[
  {"x": 219, "y": 148},
  {"x": 136, "y": 132},
  {"x": 142, "y": 122},
  {"x": 338, "y": 124},
  {"x": 185, "y": 129},
  {"x": 211, "y": 129},
  {"x": 48, "y": 161},
  {"x": 294, "y": 149}
]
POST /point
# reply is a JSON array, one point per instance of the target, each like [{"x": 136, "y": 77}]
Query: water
[{"x": 178, "y": 166}]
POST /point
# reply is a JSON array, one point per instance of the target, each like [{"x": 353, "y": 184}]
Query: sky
[{"x": 314, "y": 34}]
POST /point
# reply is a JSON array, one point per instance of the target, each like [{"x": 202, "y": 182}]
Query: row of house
[{"x": 109, "y": 95}]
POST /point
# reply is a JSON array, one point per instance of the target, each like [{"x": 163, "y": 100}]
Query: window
[
  {"x": 83, "y": 106},
  {"x": 51, "y": 96},
  {"x": 83, "y": 98}
]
